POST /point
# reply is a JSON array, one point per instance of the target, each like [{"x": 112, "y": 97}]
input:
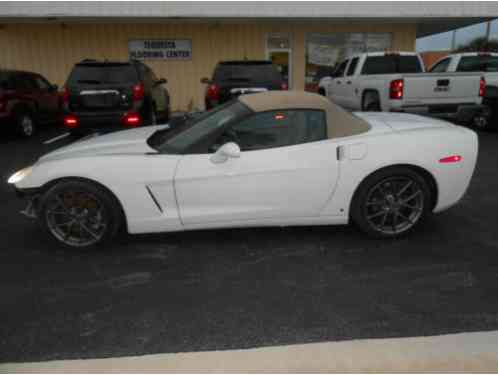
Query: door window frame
[{"x": 269, "y": 50}]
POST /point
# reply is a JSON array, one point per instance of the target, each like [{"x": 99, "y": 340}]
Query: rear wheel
[
  {"x": 79, "y": 214},
  {"x": 391, "y": 202}
]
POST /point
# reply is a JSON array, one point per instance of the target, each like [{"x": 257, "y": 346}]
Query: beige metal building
[{"x": 182, "y": 42}]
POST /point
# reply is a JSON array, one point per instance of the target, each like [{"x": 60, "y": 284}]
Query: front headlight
[{"x": 19, "y": 175}]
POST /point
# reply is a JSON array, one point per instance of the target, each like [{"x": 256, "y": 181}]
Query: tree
[{"x": 480, "y": 44}]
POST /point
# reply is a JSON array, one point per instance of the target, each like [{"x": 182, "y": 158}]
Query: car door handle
[
  {"x": 338, "y": 82},
  {"x": 348, "y": 82}
]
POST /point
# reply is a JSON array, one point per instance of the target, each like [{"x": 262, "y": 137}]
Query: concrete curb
[{"x": 464, "y": 352}]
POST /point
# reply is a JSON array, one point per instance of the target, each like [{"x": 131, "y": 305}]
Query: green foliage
[{"x": 479, "y": 45}]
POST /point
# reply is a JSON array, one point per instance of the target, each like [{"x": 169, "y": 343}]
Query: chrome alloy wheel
[
  {"x": 394, "y": 205},
  {"x": 76, "y": 218}
]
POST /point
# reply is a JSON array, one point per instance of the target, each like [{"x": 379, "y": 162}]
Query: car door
[
  {"x": 337, "y": 84},
  {"x": 287, "y": 169},
  {"x": 47, "y": 97}
]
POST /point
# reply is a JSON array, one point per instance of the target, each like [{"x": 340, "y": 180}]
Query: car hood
[
  {"x": 401, "y": 121},
  {"x": 125, "y": 142}
]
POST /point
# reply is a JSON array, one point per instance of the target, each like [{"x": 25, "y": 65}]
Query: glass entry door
[{"x": 278, "y": 50}]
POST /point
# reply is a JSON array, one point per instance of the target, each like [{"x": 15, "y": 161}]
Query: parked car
[
  {"x": 486, "y": 64},
  {"x": 233, "y": 78},
  {"x": 27, "y": 100},
  {"x": 395, "y": 82},
  {"x": 110, "y": 95},
  {"x": 274, "y": 158}
]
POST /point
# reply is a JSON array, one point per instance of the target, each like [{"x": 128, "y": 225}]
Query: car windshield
[
  {"x": 256, "y": 73},
  {"x": 192, "y": 130}
]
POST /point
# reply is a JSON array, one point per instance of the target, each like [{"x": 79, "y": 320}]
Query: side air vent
[{"x": 154, "y": 199}]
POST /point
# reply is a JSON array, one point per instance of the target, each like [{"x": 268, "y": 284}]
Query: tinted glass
[
  {"x": 441, "y": 66},
  {"x": 103, "y": 74},
  {"x": 42, "y": 83},
  {"x": 24, "y": 82},
  {"x": 178, "y": 141},
  {"x": 278, "y": 129},
  {"x": 246, "y": 73},
  {"x": 483, "y": 63},
  {"x": 340, "y": 70},
  {"x": 352, "y": 66},
  {"x": 391, "y": 64}
]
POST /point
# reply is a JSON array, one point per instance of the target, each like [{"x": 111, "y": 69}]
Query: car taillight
[
  {"x": 131, "y": 119},
  {"x": 138, "y": 91},
  {"x": 65, "y": 96},
  {"x": 482, "y": 87},
  {"x": 71, "y": 121},
  {"x": 213, "y": 92},
  {"x": 396, "y": 89},
  {"x": 284, "y": 86},
  {"x": 451, "y": 159}
]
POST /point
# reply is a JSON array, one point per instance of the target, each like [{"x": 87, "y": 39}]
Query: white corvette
[{"x": 275, "y": 158}]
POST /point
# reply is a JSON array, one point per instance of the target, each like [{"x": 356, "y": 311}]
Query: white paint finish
[
  {"x": 294, "y": 185},
  {"x": 419, "y": 89},
  {"x": 266, "y": 184}
]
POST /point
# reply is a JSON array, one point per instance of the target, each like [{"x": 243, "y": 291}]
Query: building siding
[{"x": 52, "y": 49}]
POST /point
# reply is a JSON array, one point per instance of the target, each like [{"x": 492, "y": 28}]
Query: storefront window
[{"x": 324, "y": 51}]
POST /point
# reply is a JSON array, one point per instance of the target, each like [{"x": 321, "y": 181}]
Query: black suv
[
  {"x": 234, "y": 78},
  {"x": 106, "y": 95}
]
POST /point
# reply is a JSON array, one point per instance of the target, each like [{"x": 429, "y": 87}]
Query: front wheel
[
  {"x": 391, "y": 202},
  {"x": 79, "y": 214},
  {"x": 25, "y": 124}
]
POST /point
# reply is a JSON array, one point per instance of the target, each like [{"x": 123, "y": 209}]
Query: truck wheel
[
  {"x": 371, "y": 102},
  {"x": 25, "y": 123}
]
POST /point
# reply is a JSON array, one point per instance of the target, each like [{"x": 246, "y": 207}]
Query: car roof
[
  {"x": 91, "y": 62},
  {"x": 340, "y": 123},
  {"x": 14, "y": 71}
]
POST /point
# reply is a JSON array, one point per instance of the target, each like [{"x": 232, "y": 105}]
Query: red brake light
[
  {"x": 138, "y": 91},
  {"x": 132, "y": 119},
  {"x": 284, "y": 86},
  {"x": 71, "y": 121},
  {"x": 65, "y": 95},
  {"x": 451, "y": 159},
  {"x": 396, "y": 89},
  {"x": 482, "y": 87},
  {"x": 213, "y": 92},
  {"x": 279, "y": 116}
]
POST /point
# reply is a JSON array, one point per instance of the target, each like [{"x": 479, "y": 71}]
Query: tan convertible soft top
[{"x": 340, "y": 123}]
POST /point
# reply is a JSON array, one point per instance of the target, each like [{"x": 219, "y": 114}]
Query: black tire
[
  {"x": 95, "y": 214},
  {"x": 487, "y": 121},
  {"x": 371, "y": 102},
  {"x": 25, "y": 123},
  {"x": 369, "y": 205},
  {"x": 321, "y": 91},
  {"x": 153, "y": 115}
]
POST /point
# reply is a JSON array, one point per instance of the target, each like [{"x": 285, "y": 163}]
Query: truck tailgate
[{"x": 445, "y": 88}]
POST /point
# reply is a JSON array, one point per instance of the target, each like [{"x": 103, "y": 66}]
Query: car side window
[
  {"x": 352, "y": 66},
  {"x": 441, "y": 66},
  {"x": 277, "y": 129},
  {"x": 24, "y": 82},
  {"x": 341, "y": 69},
  {"x": 42, "y": 83}
]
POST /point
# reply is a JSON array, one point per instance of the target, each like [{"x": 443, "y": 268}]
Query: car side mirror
[
  {"x": 205, "y": 80},
  {"x": 161, "y": 81},
  {"x": 225, "y": 152}
]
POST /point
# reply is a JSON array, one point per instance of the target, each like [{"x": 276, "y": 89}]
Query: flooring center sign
[{"x": 160, "y": 49}]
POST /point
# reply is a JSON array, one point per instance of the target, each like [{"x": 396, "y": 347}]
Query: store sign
[{"x": 160, "y": 49}]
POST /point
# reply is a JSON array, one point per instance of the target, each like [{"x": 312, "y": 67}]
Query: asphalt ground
[{"x": 243, "y": 288}]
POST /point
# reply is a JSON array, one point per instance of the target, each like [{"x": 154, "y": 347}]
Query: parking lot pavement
[{"x": 244, "y": 288}]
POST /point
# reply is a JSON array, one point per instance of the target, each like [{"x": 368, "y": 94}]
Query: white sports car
[{"x": 275, "y": 158}]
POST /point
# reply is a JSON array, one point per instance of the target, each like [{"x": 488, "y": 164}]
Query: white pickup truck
[
  {"x": 486, "y": 64},
  {"x": 396, "y": 82}
]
